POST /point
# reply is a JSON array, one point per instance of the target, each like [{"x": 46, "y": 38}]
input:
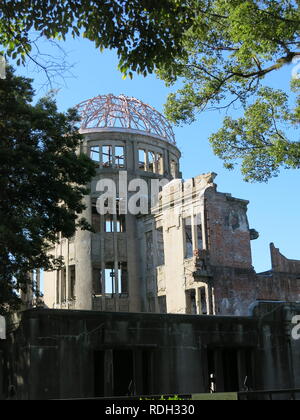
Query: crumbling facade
[
  {"x": 88, "y": 354},
  {"x": 161, "y": 297},
  {"x": 189, "y": 253},
  {"x": 103, "y": 270}
]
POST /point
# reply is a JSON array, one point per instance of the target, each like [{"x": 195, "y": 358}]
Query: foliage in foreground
[
  {"x": 144, "y": 33},
  {"x": 220, "y": 50},
  {"x": 42, "y": 183},
  {"x": 230, "y": 49}
]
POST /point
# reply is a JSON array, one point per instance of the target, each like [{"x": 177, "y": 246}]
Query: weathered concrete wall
[
  {"x": 224, "y": 258},
  {"x": 89, "y": 251},
  {"x": 67, "y": 354},
  {"x": 279, "y": 352},
  {"x": 220, "y": 276},
  {"x": 179, "y": 201},
  {"x": 62, "y": 347},
  {"x": 216, "y": 277}
]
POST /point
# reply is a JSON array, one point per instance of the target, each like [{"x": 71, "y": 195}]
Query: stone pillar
[{"x": 83, "y": 249}]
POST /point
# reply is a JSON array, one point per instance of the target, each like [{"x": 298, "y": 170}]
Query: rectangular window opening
[
  {"x": 109, "y": 276},
  {"x": 63, "y": 285},
  {"x": 97, "y": 281},
  {"x": 120, "y": 157},
  {"x": 116, "y": 282},
  {"x": 203, "y": 301},
  {"x": 121, "y": 223},
  {"x": 107, "y": 156},
  {"x": 72, "y": 281},
  {"x": 121, "y": 219},
  {"x": 188, "y": 237},
  {"x": 109, "y": 223},
  {"x": 142, "y": 160},
  {"x": 191, "y": 302},
  {"x": 123, "y": 277},
  {"x": 160, "y": 164},
  {"x": 95, "y": 153},
  {"x": 123, "y": 373},
  {"x": 199, "y": 235},
  {"x": 118, "y": 226},
  {"x": 162, "y": 302},
  {"x": 151, "y": 161}
]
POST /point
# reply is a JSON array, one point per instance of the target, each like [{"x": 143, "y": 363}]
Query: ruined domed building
[
  {"x": 188, "y": 253},
  {"x": 161, "y": 298}
]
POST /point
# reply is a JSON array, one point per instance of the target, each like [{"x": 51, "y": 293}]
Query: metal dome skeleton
[{"x": 110, "y": 111}]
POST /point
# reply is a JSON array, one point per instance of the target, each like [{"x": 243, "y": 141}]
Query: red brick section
[
  {"x": 234, "y": 295},
  {"x": 281, "y": 264},
  {"x": 236, "y": 285},
  {"x": 228, "y": 230}
]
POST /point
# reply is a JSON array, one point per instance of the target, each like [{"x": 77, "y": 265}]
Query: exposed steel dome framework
[{"x": 110, "y": 111}]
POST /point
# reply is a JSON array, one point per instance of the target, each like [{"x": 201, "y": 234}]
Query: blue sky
[{"x": 274, "y": 207}]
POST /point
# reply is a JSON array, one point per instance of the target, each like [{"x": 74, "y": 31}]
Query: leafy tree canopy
[
  {"x": 221, "y": 50},
  {"x": 42, "y": 183},
  {"x": 230, "y": 48},
  {"x": 145, "y": 33}
]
